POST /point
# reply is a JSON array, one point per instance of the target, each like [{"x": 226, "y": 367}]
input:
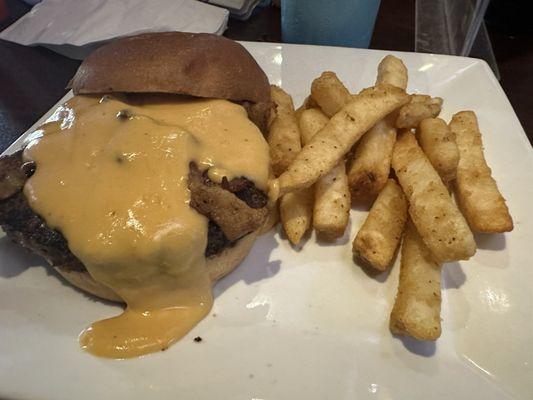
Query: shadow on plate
[
  {"x": 421, "y": 348},
  {"x": 16, "y": 259},
  {"x": 453, "y": 276},
  {"x": 372, "y": 273},
  {"x": 256, "y": 267},
  {"x": 490, "y": 241}
]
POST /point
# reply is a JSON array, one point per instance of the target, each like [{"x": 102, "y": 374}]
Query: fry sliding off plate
[{"x": 309, "y": 324}]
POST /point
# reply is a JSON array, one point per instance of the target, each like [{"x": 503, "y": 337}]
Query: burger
[{"x": 149, "y": 184}]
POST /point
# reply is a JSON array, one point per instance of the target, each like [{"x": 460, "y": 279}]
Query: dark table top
[{"x": 33, "y": 79}]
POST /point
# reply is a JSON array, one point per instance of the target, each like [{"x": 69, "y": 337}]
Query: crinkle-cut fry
[
  {"x": 296, "y": 213},
  {"x": 377, "y": 240},
  {"x": 420, "y": 107},
  {"x": 331, "y": 212},
  {"x": 283, "y": 133},
  {"x": 343, "y": 130},
  {"x": 392, "y": 70},
  {"x": 370, "y": 165},
  {"x": 438, "y": 142},
  {"x": 476, "y": 191},
  {"x": 311, "y": 121},
  {"x": 329, "y": 93},
  {"x": 436, "y": 217},
  {"x": 416, "y": 311}
]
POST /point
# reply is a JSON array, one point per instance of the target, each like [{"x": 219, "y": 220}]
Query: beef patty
[{"x": 234, "y": 208}]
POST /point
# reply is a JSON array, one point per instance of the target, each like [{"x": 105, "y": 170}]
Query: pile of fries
[{"x": 338, "y": 148}]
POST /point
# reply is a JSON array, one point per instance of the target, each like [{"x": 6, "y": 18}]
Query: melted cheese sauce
[{"x": 112, "y": 176}]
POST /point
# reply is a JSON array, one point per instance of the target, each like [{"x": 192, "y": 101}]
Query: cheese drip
[{"x": 112, "y": 176}]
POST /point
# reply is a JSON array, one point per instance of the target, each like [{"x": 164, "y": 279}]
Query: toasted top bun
[{"x": 195, "y": 64}]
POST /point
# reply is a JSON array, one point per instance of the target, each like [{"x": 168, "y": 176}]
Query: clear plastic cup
[{"x": 336, "y": 23}]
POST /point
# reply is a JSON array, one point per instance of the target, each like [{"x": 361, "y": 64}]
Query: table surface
[{"x": 33, "y": 79}]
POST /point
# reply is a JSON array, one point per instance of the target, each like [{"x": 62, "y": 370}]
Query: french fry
[
  {"x": 436, "y": 217},
  {"x": 329, "y": 93},
  {"x": 283, "y": 134},
  {"x": 369, "y": 170},
  {"x": 420, "y": 107},
  {"x": 272, "y": 219},
  {"x": 379, "y": 237},
  {"x": 477, "y": 193},
  {"x": 343, "y": 130},
  {"x": 370, "y": 164},
  {"x": 331, "y": 211},
  {"x": 296, "y": 209},
  {"x": 438, "y": 142},
  {"x": 416, "y": 311},
  {"x": 392, "y": 70},
  {"x": 296, "y": 213},
  {"x": 298, "y": 112},
  {"x": 311, "y": 121},
  {"x": 307, "y": 104},
  {"x": 421, "y": 98}
]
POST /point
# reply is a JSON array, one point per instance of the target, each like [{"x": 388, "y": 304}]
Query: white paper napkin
[
  {"x": 239, "y": 9},
  {"x": 75, "y": 27}
]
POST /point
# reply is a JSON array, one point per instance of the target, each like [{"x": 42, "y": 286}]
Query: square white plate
[{"x": 309, "y": 324}]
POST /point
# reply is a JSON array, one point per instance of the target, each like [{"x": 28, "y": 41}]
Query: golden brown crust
[
  {"x": 416, "y": 310},
  {"x": 377, "y": 240},
  {"x": 201, "y": 65},
  {"x": 476, "y": 190}
]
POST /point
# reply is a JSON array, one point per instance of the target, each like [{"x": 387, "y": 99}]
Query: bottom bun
[
  {"x": 218, "y": 266},
  {"x": 222, "y": 264}
]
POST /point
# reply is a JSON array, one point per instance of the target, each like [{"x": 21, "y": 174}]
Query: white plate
[{"x": 309, "y": 324}]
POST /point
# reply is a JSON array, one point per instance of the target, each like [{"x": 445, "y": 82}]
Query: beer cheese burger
[{"x": 149, "y": 184}]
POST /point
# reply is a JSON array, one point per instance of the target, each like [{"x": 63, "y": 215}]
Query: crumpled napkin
[
  {"x": 239, "y": 9},
  {"x": 75, "y": 27}
]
